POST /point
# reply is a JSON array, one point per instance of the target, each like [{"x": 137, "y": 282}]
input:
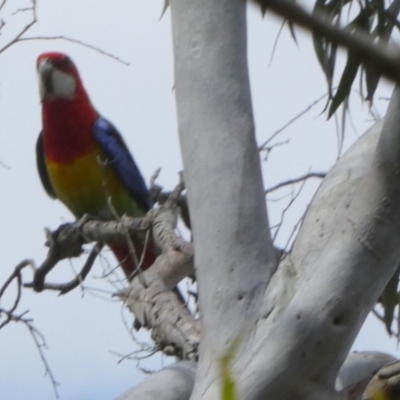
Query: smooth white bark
[
  {"x": 337, "y": 283},
  {"x": 174, "y": 382},
  {"x": 234, "y": 256}
]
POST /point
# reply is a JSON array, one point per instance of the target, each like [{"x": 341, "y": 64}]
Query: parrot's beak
[{"x": 45, "y": 69}]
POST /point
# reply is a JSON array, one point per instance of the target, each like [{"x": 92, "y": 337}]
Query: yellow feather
[{"x": 88, "y": 185}]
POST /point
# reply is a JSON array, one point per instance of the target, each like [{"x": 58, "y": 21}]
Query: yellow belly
[{"x": 88, "y": 186}]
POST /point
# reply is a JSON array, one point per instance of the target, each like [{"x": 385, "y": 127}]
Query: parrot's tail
[{"x": 127, "y": 259}]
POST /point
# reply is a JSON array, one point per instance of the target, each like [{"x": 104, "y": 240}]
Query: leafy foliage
[
  {"x": 374, "y": 18},
  {"x": 389, "y": 299}
]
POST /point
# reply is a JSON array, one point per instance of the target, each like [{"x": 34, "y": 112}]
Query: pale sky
[{"x": 83, "y": 328}]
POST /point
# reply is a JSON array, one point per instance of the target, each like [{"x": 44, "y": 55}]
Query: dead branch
[
  {"x": 292, "y": 200},
  {"x": 76, "y": 41},
  {"x": 11, "y": 316},
  {"x": 79, "y": 278},
  {"x": 268, "y": 149},
  {"x": 149, "y": 297},
  {"x": 67, "y": 241},
  {"x": 294, "y": 119},
  {"x": 2, "y": 4},
  {"x": 40, "y": 343},
  {"x": 2, "y": 165},
  {"x": 17, "y": 38},
  {"x": 174, "y": 329},
  {"x": 16, "y": 275},
  {"x": 302, "y": 178}
]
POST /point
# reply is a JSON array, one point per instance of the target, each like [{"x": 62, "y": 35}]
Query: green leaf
[
  {"x": 324, "y": 49},
  {"x": 165, "y": 7},
  {"x": 389, "y": 299},
  {"x": 383, "y": 31},
  {"x": 346, "y": 82},
  {"x": 228, "y": 385},
  {"x": 372, "y": 79}
]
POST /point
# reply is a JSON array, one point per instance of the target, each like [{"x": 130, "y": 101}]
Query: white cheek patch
[{"x": 62, "y": 84}]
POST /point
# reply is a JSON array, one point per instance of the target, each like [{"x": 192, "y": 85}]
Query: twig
[
  {"x": 287, "y": 208},
  {"x": 15, "y": 274},
  {"x": 2, "y": 4},
  {"x": 17, "y": 38},
  {"x": 154, "y": 177},
  {"x": 4, "y": 165},
  {"x": 320, "y": 175},
  {"x": 67, "y": 241},
  {"x": 21, "y": 10},
  {"x": 40, "y": 343},
  {"x": 308, "y": 108},
  {"x": 77, "y": 41},
  {"x": 11, "y": 316},
  {"x": 268, "y": 149},
  {"x": 155, "y": 190},
  {"x": 134, "y": 355},
  {"x": 79, "y": 278},
  {"x": 128, "y": 239},
  {"x": 280, "y": 198}
]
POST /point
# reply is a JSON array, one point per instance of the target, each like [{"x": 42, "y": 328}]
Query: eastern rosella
[{"x": 83, "y": 160}]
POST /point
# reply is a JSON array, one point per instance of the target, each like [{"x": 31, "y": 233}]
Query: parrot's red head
[
  {"x": 58, "y": 77},
  {"x": 67, "y": 113}
]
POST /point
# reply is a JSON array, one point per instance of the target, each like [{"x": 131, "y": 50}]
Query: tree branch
[
  {"x": 302, "y": 178},
  {"x": 344, "y": 255},
  {"x": 76, "y": 41},
  {"x": 149, "y": 297},
  {"x": 174, "y": 382},
  {"x": 174, "y": 330},
  {"x": 12, "y": 316},
  {"x": 17, "y": 38}
]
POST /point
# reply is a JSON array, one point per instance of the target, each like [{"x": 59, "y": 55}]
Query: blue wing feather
[{"x": 115, "y": 149}]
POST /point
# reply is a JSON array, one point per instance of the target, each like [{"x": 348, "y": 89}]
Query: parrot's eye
[{"x": 65, "y": 62}]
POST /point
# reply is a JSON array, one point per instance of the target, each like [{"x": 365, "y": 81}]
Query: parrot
[{"x": 83, "y": 160}]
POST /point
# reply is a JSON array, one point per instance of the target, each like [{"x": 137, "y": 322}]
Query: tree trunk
[{"x": 234, "y": 256}]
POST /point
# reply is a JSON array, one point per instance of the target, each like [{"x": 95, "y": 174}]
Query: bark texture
[
  {"x": 344, "y": 255},
  {"x": 174, "y": 382},
  {"x": 234, "y": 256}
]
